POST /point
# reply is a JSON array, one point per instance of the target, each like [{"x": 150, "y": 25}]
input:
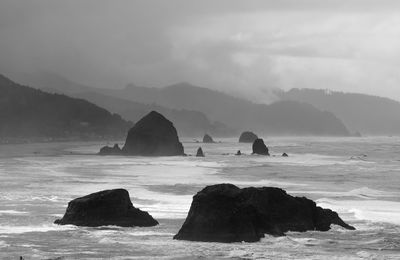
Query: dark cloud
[{"x": 243, "y": 47}]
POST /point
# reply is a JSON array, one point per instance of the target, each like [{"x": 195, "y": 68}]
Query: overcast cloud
[{"x": 242, "y": 47}]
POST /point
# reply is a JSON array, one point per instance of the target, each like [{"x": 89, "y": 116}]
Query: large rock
[
  {"x": 108, "y": 207},
  {"x": 226, "y": 213},
  {"x": 107, "y": 150},
  {"x": 207, "y": 139},
  {"x": 247, "y": 137},
  {"x": 153, "y": 135},
  {"x": 259, "y": 147}
]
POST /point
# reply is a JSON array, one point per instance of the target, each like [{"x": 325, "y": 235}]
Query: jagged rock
[
  {"x": 153, "y": 135},
  {"x": 238, "y": 152},
  {"x": 107, "y": 207},
  {"x": 207, "y": 139},
  {"x": 107, "y": 150},
  {"x": 259, "y": 147},
  {"x": 285, "y": 155},
  {"x": 199, "y": 152},
  {"x": 247, "y": 137},
  {"x": 226, "y": 213}
]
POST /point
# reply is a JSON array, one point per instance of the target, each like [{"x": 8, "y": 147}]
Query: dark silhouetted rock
[
  {"x": 153, "y": 135},
  {"x": 199, "y": 152},
  {"x": 285, "y": 155},
  {"x": 259, "y": 147},
  {"x": 247, "y": 137},
  {"x": 108, "y": 207},
  {"x": 207, "y": 139},
  {"x": 226, "y": 213},
  {"x": 238, "y": 152},
  {"x": 107, "y": 150}
]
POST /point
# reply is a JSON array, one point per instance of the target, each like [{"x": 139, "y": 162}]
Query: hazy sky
[{"x": 244, "y": 47}]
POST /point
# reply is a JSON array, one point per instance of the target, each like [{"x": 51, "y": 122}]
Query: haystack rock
[
  {"x": 199, "y": 152},
  {"x": 226, "y": 213},
  {"x": 247, "y": 137},
  {"x": 108, "y": 207},
  {"x": 153, "y": 135},
  {"x": 259, "y": 147},
  {"x": 107, "y": 150},
  {"x": 207, "y": 139}
]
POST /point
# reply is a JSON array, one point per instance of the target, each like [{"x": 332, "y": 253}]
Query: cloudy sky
[{"x": 242, "y": 47}]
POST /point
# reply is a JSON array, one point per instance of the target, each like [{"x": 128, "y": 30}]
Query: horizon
[{"x": 243, "y": 49}]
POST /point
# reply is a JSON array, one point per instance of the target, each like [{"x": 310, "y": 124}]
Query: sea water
[{"x": 357, "y": 177}]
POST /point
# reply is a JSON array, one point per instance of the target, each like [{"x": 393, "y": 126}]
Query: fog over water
[{"x": 241, "y": 47}]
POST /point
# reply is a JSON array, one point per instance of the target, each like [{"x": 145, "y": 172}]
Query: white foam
[
  {"x": 363, "y": 193},
  {"x": 3, "y": 244},
  {"x": 12, "y": 212},
  {"x": 370, "y": 210},
  {"x": 26, "y": 229}
]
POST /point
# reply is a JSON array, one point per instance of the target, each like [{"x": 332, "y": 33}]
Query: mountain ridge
[{"x": 30, "y": 113}]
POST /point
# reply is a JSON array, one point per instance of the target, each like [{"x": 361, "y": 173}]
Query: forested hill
[
  {"x": 359, "y": 112},
  {"x": 30, "y": 113}
]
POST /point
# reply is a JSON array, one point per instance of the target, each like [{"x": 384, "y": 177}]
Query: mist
[{"x": 245, "y": 49}]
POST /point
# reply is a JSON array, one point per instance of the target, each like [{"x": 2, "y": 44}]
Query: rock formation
[
  {"x": 199, "y": 152},
  {"x": 226, "y": 213},
  {"x": 259, "y": 147},
  {"x": 285, "y": 155},
  {"x": 107, "y": 150},
  {"x": 247, "y": 137},
  {"x": 108, "y": 207},
  {"x": 238, "y": 152},
  {"x": 207, "y": 139},
  {"x": 153, "y": 135}
]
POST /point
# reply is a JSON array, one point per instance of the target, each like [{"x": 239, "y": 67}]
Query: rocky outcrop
[
  {"x": 238, "y": 152},
  {"x": 259, "y": 147},
  {"x": 153, "y": 135},
  {"x": 285, "y": 155},
  {"x": 247, "y": 137},
  {"x": 108, "y": 207},
  {"x": 207, "y": 139},
  {"x": 199, "y": 152},
  {"x": 107, "y": 150},
  {"x": 226, "y": 213}
]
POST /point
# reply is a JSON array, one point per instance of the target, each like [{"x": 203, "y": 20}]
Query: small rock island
[
  {"x": 259, "y": 147},
  {"x": 208, "y": 139},
  {"x": 226, "y": 213},
  {"x": 107, "y": 207},
  {"x": 247, "y": 137}
]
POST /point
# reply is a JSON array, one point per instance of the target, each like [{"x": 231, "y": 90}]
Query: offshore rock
[
  {"x": 153, "y": 135},
  {"x": 247, "y": 137},
  {"x": 207, "y": 139},
  {"x": 226, "y": 213},
  {"x": 259, "y": 147},
  {"x": 199, "y": 152},
  {"x": 107, "y": 150},
  {"x": 107, "y": 207}
]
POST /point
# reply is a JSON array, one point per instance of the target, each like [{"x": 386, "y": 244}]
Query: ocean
[{"x": 357, "y": 177}]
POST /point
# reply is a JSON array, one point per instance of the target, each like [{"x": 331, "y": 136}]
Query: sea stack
[
  {"x": 247, "y": 137},
  {"x": 107, "y": 207},
  {"x": 199, "y": 152},
  {"x": 153, "y": 135},
  {"x": 259, "y": 147},
  {"x": 207, "y": 139},
  {"x": 226, "y": 213}
]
